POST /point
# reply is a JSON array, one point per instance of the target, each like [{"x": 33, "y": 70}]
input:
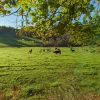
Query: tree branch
[{"x": 12, "y": 12}]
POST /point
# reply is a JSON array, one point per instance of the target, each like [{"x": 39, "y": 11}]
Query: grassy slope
[
  {"x": 35, "y": 72},
  {"x": 8, "y": 38}
]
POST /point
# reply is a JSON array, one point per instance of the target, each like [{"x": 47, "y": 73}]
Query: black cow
[
  {"x": 30, "y": 51},
  {"x": 72, "y": 50},
  {"x": 57, "y": 51},
  {"x": 48, "y": 49}
]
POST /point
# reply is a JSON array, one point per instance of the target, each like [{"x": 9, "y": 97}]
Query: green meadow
[
  {"x": 49, "y": 76},
  {"x": 50, "y": 50}
]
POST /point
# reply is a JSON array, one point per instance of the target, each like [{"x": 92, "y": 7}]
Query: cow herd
[{"x": 56, "y": 50}]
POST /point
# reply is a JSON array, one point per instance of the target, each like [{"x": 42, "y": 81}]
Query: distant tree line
[
  {"x": 61, "y": 40},
  {"x": 7, "y": 31}
]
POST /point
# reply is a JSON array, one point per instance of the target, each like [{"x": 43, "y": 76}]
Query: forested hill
[
  {"x": 8, "y": 38},
  {"x": 6, "y": 32}
]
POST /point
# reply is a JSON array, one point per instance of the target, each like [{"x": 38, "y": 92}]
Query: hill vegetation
[{"x": 8, "y": 38}]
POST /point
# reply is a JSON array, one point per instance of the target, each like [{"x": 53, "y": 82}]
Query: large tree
[{"x": 49, "y": 17}]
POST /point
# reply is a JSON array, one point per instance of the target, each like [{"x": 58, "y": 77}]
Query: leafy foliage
[{"x": 50, "y": 17}]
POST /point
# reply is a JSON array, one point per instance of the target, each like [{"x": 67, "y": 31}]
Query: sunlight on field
[{"x": 38, "y": 73}]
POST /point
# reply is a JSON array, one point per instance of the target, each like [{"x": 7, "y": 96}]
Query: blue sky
[{"x": 9, "y": 21}]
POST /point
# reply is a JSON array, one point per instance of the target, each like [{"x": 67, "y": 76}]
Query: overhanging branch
[{"x": 12, "y": 12}]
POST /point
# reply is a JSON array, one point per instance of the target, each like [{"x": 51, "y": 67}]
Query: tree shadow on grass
[{"x": 12, "y": 42}]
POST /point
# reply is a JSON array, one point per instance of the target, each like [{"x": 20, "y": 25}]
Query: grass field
[{"x": 69, "y": 76}]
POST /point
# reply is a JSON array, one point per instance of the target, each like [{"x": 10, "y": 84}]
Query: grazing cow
[
  {"x": 72, "y": 50},
  {"x": 30, "y": 51},
  {"x": 57, "y": 51},
  {"x": 43, "y": 50},
  {"x": 40, "y": 51},
  {"x": 48, "y": 50}
]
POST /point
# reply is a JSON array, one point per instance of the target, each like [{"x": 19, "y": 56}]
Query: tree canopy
[{"x": 50, "y": 17}]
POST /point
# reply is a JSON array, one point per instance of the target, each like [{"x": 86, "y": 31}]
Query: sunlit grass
[{"x": 35, "y": 74}]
